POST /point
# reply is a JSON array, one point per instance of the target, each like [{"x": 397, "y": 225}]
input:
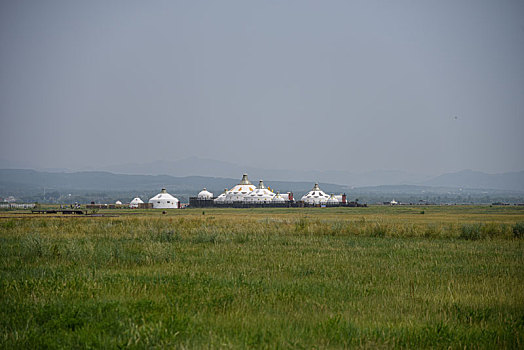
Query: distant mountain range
[
  {"x": 23, "y": 181},
  {"x": 186, "y": 170},
  {"x": 193, "y": 166},
  {"x": 106, "y": 187},
  {"x": 512, "y": 181}
]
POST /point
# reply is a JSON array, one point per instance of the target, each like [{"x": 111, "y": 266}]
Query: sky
[{"x": 419, "y": 86}]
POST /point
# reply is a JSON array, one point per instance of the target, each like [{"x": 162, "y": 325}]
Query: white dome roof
[
  {"x": 205, "y": 194},
  {"x": 332, "y": 199},
  {"x": 118, "y": 202},
  {"x": 260, "y": 195},
  {"x": 315, "y": 196},
  {"x": 164, "y": 200},
  {"x": 278, "y": 198},
  {"x": 136, "y": 200},
  {"x": 221, "y": 198},
  {"x": 237, "y": 193}
]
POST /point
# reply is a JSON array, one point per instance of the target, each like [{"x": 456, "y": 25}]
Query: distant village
[
  {"x": 245, "y": 195},
  {"x": 242, "y": 195}
]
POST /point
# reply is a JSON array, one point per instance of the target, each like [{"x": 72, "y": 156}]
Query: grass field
[{"x": 384, "y": 277}]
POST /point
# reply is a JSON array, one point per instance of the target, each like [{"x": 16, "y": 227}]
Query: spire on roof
[{"x": 245, "y": 181}]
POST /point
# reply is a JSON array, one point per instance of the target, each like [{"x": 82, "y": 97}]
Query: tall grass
[{"x": 230, "y": 280}]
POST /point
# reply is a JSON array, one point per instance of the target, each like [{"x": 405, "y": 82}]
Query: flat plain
[{"x": 377, "y": 277}]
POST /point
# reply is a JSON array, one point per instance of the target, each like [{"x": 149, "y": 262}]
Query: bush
[
  {"x": 481, "y": 231},
  {"x": 518, "y": 229},
  {"x": 471, "y": 232}
]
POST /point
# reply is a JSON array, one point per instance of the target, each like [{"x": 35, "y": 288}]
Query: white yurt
[
  {"x": 315, "y": 196},
  {"x": 118, "y": 202},
  {"x": 135, "y": 202},
  {"x": 237, "y": 193},
  {"x": 221, "y": 199},
  {"x": 260, "y": 195},
  {"x": 164, "y": 200},
  {"x": 332, "y": 200},
  {"x": 278, "y": 198},
  {"x": 205, "y": 194}
]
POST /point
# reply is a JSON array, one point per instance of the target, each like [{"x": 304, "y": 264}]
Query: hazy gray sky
[{"x": 347, "y": 85}]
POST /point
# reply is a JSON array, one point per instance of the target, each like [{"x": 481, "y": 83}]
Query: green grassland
[{"x": 378, "y": 277}]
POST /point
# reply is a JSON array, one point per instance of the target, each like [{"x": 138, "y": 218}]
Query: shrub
[
  {"x": 518, "y": 229},
  {"x": 491, "y": 230},
  {"x": 471, "y": 232}
]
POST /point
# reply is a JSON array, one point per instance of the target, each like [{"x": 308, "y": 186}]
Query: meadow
[{"x": 377, "y": 277}]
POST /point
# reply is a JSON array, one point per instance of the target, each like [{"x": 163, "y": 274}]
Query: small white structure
[
  {"x": 5, "y": 205},
  {"x": 279, "y": 199},
  {"x": 221, "y": 199},
  {"x": 135, "y": 202},
  {"x": 10, "y": 199},
  {"x": 205, "y": 194},
  {"x": 118, "y": 203},
  {"x": 240, "y": 191},
  {"x": 341, "y": 198},
  {"x": 393, "y": 202},
  {"x": 288, "y": 196},
  {"x": 315, "y": 196},
  {"x": 260, "y": 195},
  {"x": 164, "y": 200},
  {"x": 332, "y": 200}
]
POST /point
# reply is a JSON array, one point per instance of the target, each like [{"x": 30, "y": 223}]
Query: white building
[
  {"x": 260, "y": 195},
  {"x": 240, "y": 191},
  {"x": 118, "y": 202},
  {"x": 135, "y": 202},
  {"x": 278, "y": 198},
  {"x": 315, "y": 196},
  {"x": 221, "y": 199},
  {"x": 287, "y": 196},
  {"x": 205, "y": 194},
  {"x": 164, "y": 200},
  {"x": 10, "y": 199},
  {"x": 332, "y": 200}
]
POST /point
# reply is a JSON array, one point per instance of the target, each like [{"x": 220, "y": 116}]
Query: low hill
[
  {"x": 22, "y": 181},
  {"x": 513, "y": 181}
]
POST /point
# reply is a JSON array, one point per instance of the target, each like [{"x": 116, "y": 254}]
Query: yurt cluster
[{"x": 246, "y": 195}]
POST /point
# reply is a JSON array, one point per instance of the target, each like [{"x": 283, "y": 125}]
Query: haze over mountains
[
  {"x": 195, "y": 166},
  {"x": 31, "y": 185},
  {"x": 229, "y": 171},
  {"x": 208, "y": 167}
]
